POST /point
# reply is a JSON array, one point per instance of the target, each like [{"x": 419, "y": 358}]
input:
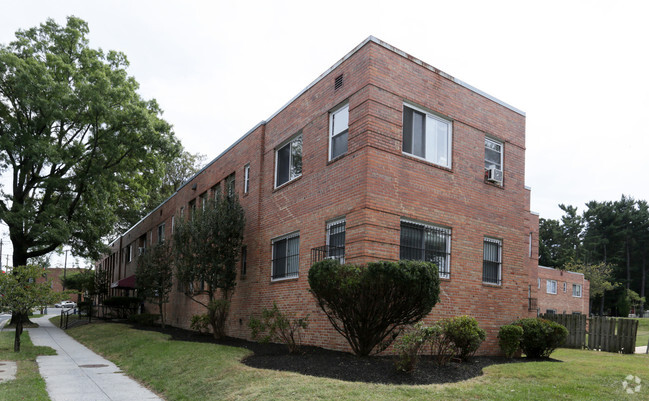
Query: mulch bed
[{"x": 320, "y": 362}]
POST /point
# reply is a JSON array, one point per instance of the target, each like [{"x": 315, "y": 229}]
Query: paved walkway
[{"x": 78, "y": 374}]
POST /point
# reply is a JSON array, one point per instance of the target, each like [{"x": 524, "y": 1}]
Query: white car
[{"x": 66, "y": 304}]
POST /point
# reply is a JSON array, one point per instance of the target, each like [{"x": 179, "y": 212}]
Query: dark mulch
[{"x": 320, "y": 362}]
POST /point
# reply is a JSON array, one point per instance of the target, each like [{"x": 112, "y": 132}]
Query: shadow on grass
[{"x": 320, "y": 362}]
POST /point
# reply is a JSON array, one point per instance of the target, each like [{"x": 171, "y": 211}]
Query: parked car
[{"x": 66, "y": 304}]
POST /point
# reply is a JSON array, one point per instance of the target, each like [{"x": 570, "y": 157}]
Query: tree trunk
[
  {"x": 162, "y": 316},
  {"x": 628, "y": 265},
  {"x": 601, "y": 306},
  {"x": 18, "y": 332}
]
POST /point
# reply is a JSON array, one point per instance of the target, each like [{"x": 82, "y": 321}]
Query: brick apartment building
[
  {"x": 562, "y": 291},
  {"x": 382, "y": 157}
]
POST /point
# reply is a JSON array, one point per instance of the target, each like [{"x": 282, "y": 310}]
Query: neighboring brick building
[
  {"x": 381, "y": 157},
  {"x": 562, "y": 291},
  {"x": 56, "y": 275}
]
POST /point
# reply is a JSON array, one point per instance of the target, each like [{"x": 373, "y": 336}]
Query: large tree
[
  {"x": 81, "y": 147},
  {"x": 206, "y": 247}
]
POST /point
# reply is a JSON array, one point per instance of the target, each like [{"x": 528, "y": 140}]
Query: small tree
[
  {"x": 206, "y": 248},
  {"x": 21, "y": 293},
  {"x": 154, "y": 275},
  {"x": 370, "y": 305}
]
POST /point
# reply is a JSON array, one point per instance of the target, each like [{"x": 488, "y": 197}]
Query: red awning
[{"x": 128, "y": 282}]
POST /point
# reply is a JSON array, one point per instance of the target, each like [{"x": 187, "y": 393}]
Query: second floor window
[
  {"x": 288, "y": 161},
  {"x": 246, "y": 178},
  {"x": 427, "y": 136},
  {"x": 576, "y": 290},
  {"x": 161, "y": 233},
  {"x": 230, "y": 185},
  {"x": 551, "y": 286},
  {"x": 338, "y": 129},
  {"x": 493, "y": 154}
]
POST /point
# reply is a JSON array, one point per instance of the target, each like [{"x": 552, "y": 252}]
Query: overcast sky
[{"x": 578, "y": 69}]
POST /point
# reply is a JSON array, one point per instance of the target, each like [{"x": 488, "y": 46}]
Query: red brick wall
[
  {"x": 373, "y": 186},
  {"x": 56, "y": 274},
  {"x": 562, "y": 301}
]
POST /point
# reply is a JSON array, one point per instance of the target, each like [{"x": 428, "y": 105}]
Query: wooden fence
[{"x": 598, "y": 333}]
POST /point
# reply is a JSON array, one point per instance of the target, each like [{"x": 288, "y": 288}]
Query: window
[
  {"x": 192, "y": 208},
  {"x": 286, "y": 256},
  {"x": 492, "y": 262},
  {"x": 182, "y": 212},
  {"x": 576, "y": 290},
  {"x": 336, "y": 240},
  {"x": 565, "y": 286},
  {"x": 551, "y": 286},
  {"x": 493, "y": 154},
  {"x": 161, "y": 233},
  {"x": 338, "y": 129},
  {"x": 129, "y": 253},
  {"x": 216, "y": 192},
  {"x": 244, "y": 260},
  {"x": 426, "y": 242},
  {"x": 246, "y": 178},
  {"x": 230, "y": 183},
  {"x": 288, "y": 161},
  {"x": 203, "y": 200},
  {"x": 427, "y": 136},
  {"x": 538, "y": 280},
  {"x": 551, "y": 311},
  {"x": 173, "y": 224}
]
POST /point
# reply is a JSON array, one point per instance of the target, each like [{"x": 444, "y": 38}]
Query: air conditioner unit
[{"x": 494, "y": 175}]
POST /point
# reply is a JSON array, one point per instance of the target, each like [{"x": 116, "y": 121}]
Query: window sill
[
  {"x": 494, "y": 184},
  {"x": 335, "y": 159},
  {"x": 428, "y": 162},
  {"x": 280, "y": 280},
  {"x": 287, "y": 183},
  {"x": 492, "y": 285}
]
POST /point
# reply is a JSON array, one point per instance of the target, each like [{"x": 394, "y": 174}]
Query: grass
[
  {"x": 28, "y": 385},
  {"x": 187, "y": 371},
  {"x": 643, "y": 332}
]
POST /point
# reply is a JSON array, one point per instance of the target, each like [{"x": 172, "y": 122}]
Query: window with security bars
[
  {"x": 286, "y": 256},
  {"x": 426, "y": 242},
  {"x": 492, "y": 261},
  {"x": 336, "y": 240}
]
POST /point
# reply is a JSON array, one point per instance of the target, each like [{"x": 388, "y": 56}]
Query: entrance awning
[{"x": 127, "y": 282}]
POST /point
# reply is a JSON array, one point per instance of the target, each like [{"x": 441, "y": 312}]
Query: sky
[{"x": 578, "y": 69}]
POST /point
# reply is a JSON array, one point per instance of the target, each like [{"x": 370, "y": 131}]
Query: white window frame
[
  {"x": 173, "y": 224},
  {"x": 333, "y": 223},
  {"x": 449, "y": 235},
  {"x": 161, "y": 233},
  {"x": 291, "y": 175},
  {"x": 551, "y": 286},
  {"x": 431, "y": 118},
  {"x": 497, "y": 143},
  {"x": 203, "y": 198},
  {"x": 344, "y": 108},
  {"x": 580, "y": 291},
  {"x": 538, "y": 281},
  {"x": 286, "y": 237},
  {"x": 129, "y": 253},
  {"x": 246, "y": 178},
  {"x": 565, "y": 286},
  {"x": 499, "y": 242}
]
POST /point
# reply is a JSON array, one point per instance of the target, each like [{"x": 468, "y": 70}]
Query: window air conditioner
[{"x": 495, "y": 175}]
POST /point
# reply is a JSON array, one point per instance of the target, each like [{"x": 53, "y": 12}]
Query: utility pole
[{"x": 0, "y": 254}]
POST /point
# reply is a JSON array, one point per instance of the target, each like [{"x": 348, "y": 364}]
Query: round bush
[
  {"x": 369, "y": 304},
  {"x": 541, "y": 337},
  {"x": 464, "y": 332},
  {"x": 509, "y": 339}
]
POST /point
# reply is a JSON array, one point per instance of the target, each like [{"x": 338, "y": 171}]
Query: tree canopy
[
  {"x": 82, "y": 148},
  {"x": 609, "y": 242}
]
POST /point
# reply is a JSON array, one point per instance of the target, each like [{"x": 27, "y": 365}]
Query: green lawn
[
  {"x": 189, "y": 371},
  {"x": 643, "y": 332},
  {"x": 28, "y": 384}
]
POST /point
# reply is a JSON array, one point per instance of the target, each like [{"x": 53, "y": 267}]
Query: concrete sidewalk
[{"x": 78, "y": 374}]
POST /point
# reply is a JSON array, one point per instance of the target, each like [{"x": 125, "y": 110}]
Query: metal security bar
[
  {"x": 491, "y": 268},
  {"x": 428, "y": 243},
  {"x": 328, "y": 252}
]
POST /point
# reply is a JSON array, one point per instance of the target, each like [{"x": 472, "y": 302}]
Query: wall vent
[{"x": 338, "y": 82}]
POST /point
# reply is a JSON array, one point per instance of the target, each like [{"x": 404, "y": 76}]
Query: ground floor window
[
  {"x": 286, "y": 256},
  {"x": 492, "y": 261},
  {"x": 426, "y": 242}
]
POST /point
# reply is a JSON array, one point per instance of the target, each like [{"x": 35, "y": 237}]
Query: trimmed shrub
[
  {"x": 465, "y": 334},
  {"x": 369, "y": 305},
  {"x": 145, "y": 319},
  {"x": 541, "y": 337},
  {"x": 441, "y": 347},
  {"x": 278, "y": 326},
  {"x": 509, "y": 339},
  {"x": 409, "y": 345},
  {"x": 200, "y": 323}
]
